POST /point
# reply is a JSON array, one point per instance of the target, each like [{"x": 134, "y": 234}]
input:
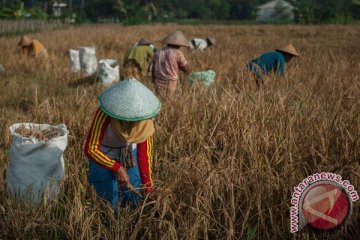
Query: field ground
[{"x": 226, "y": 159}]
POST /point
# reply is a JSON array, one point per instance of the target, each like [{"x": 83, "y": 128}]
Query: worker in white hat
[
  {"x": 273, "y": 61},
  {"x": 202, "y": 44},
  {"x": 168, "y": 61},
  {"x": 119, "y": 142},
  {"x": 32, "y": 47}
]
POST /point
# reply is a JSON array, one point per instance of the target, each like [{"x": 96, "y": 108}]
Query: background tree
[{"x": 137, "y": 11}]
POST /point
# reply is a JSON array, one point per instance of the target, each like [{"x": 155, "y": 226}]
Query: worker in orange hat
[{"x": 32, "y": 47}]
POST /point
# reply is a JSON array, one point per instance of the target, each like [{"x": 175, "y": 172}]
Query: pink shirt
[{"x": 167, "y": 62}]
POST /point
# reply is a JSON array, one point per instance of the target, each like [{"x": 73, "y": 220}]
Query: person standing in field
[
  {"x": 32, "y": 47},
  {"x": 202, "y": 44},
  {"x": 272, "y": 61},
  {"x": 119, "y": 143},
  {"x": 142, "y": 52},
  {"x": 168, "y": 61}
]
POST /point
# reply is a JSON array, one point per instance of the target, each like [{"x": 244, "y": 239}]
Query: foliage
[
  {"x": 18, "y": 11},
  {"x": 318, "y": 11},
  {"x": 137, "y": 11},
  {"x": 37, "y": 13}
]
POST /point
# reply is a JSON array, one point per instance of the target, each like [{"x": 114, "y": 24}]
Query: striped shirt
[
  {"x": 101, "y": 133},
  {"x": 167, "y": 62}
]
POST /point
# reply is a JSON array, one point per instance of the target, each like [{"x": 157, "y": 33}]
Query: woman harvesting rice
[{"x": 119, "y": 142}]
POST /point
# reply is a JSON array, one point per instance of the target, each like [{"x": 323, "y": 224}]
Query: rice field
[{"x": 226, "y": 159}]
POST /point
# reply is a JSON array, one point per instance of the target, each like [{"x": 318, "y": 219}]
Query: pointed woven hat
[
  {"x": 129, "y": 100},
  {"x": 144, "y": 41},
  {"x": 25, "y": 41},
  {"x": 211, "y": 40},
  {"x": 176, "y": 38},
  {"x": 289, "y": 49}
]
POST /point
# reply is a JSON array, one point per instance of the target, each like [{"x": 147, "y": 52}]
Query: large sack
[
  {"x": 36, "y": 161},
  {"x": 207, "y": 78},
  {"x": 109, "y": 71},
  {"x": 74, "y": 60},
  {"x": 88, "y": 60}
]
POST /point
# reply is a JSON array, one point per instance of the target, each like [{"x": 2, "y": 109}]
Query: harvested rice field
[{"x": 226, "y": 159}]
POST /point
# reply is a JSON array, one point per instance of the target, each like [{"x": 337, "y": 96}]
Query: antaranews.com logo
[{"x": 322, "y": 201}]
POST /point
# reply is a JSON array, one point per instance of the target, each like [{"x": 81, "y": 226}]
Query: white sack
[
  {"x": 88, "y": 60},
  {"x": 74, "y": 60},
  {"x": 109, "y": 71},
  {"x": 36, "y": 166}
]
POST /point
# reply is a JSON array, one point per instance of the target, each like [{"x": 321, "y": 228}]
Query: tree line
[{"x": 140, "y": 11}]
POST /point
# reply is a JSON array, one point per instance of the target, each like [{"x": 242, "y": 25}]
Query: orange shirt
[{"x": 36, "y": 49}]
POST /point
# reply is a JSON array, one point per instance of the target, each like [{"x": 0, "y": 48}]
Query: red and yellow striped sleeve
[
  {"x": 93, "y": 141},
  {"x": 145, "y": 162}
]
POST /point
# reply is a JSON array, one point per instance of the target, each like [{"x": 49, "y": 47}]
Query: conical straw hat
[
  {"x": 25, "y": 41},
  {"x": 129, "y": 100},
  {"x": 211, "y": 40},
  {"x": 289, "y": 49},
  {"x": 144, "y": 41},
  {"x": 176, "y": 38}
]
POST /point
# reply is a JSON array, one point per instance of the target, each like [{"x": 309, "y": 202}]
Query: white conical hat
[
  {"x": 176, "y": 38},
  {"x": 129, "y": 100}
]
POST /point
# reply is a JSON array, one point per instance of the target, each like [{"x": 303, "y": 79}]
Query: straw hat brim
[
  {"x": 176, "y": 38},
  {"x": 144, "y": 41},
  {"x": 289, "y": 49},
  {"x": 129, "y": 100},
  {"x": 25, "y": 41},
  {"x": 211, "y": 40}
]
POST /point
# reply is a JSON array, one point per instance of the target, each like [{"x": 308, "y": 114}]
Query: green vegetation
[{"x": 141, "y": 11}]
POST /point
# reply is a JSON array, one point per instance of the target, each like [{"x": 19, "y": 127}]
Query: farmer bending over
[
  {"x": 119, "y": 142},
  {"x": 142, "y": 52},
  {"x": 32, "y": 47},
  {"x": 202, "y": 44},
  {"x": 273, "y": 61}
]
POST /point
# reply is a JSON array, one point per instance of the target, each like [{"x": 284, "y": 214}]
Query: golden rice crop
[{"x": 226, "y": 159}]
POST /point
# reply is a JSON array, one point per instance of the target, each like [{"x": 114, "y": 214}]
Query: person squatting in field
[
  {"x": 202, "y": 44},
  {"x": 142, "y": 52},
  {"x": 168, "y": 61},
  {"x": 272, "y": 61},
  {"x": 32, "y": 47},
  {"x": 119, "y": 143}
]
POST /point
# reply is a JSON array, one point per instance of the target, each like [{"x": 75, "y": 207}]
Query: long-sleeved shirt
[
  {"x": 166, "y": 64},
  {"x": 270, "y": 62},
  {"x": 142, "y": 54},
  {"x": 101, "y": 133}
]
